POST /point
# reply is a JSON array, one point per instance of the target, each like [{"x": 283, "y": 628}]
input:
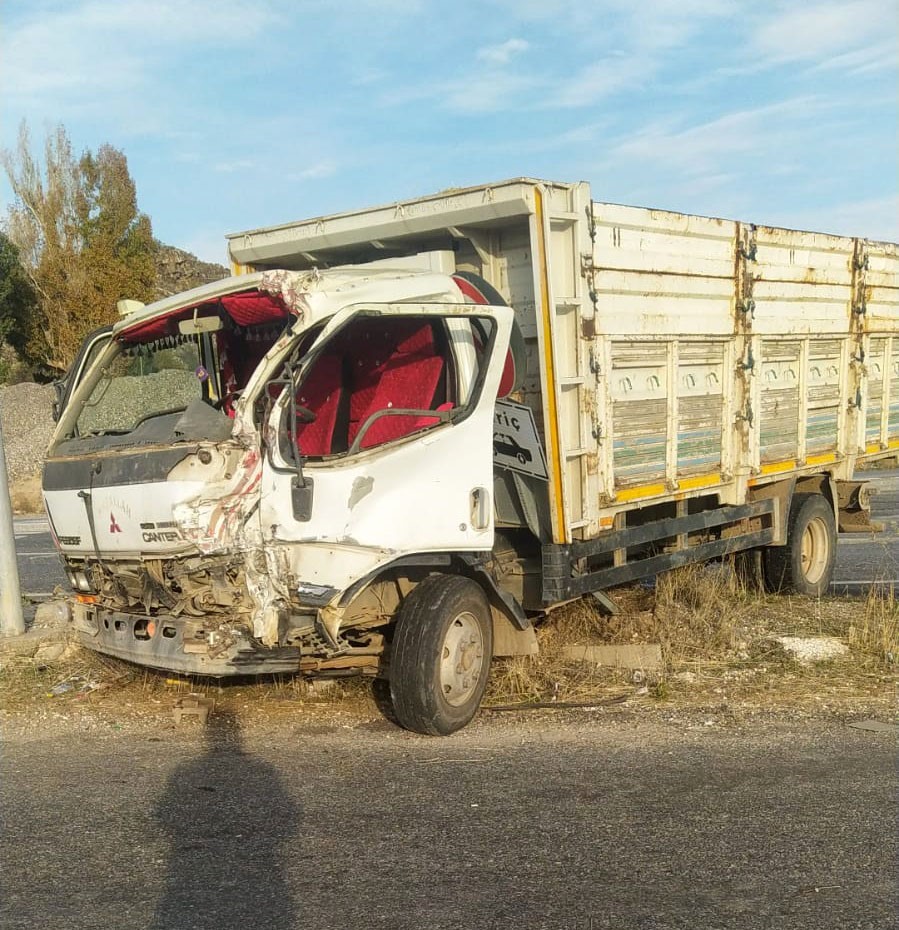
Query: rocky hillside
[{"x": 178, "y": 271}]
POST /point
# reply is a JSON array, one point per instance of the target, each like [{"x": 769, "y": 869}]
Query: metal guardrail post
[{"x": 12, "y": 621}]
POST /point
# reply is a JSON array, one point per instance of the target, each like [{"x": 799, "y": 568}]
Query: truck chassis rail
[{"x": 561, "y": 580}]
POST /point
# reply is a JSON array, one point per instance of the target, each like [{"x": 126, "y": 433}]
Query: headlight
[{"x": 78, "y": 580}]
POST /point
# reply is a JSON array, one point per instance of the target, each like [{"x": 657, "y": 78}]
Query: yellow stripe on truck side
[
  {"x": 774, "y": 468},
  {"x": 560, "y": 530},
  {"x": 644, "y": 490},
  {"x": 693, "y": 483},
  {"x": 877, "y": 447}
]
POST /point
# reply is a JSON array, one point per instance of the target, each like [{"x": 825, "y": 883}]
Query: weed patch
[{"x": 873, "y": 633}]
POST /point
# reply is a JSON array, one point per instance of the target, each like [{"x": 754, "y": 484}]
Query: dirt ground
[{"x": 723, "y": 659}]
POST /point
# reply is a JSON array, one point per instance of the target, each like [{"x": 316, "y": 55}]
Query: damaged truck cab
[{"x": 255, "y": 474}]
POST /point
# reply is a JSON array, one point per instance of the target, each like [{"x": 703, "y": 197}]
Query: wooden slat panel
[
  {"x": 779, "y": 391},
  {"x": 639, "y": 412},
  {"x": 700, "y": 381},
  {"x": 823, "y": 402},
  {"x": 875, "y": 364}
]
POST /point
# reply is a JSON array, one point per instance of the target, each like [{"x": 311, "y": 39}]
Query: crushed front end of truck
[
  {"x": 208, "y": 516},
  {"x": 152, "y": 481}
]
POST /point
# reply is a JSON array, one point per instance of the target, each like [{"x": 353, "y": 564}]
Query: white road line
[
  {"x": 866, "y": 540},
  {"x": 860, "y": 581},
  {"x": 31, "y": 529}
]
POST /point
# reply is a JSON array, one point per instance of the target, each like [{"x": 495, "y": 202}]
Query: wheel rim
[
  {"x": 462, "y": 659},
  {"x": 814, "y": 552}
]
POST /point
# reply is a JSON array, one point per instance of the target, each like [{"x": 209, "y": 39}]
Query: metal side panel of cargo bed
[{"x": 738, "y": 354}]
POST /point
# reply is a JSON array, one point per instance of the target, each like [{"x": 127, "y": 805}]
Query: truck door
[{"x": 380, "y": 442}]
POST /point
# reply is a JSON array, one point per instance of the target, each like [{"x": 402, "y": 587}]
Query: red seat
[
  {"x": 379, "y": 365},
  {"x": 320, "y": 393},
  {"x": 407, "y": 378}
]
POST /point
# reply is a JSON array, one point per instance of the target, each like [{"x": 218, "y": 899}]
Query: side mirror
[
  {"x": 60, "y": 388},
  {"x": 301, "y": 493}
]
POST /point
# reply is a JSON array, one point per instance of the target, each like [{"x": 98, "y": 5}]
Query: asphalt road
[
  {"x": 40, "y": 569},
  {"x": 574, "y": 823},
  {"x": 862, "y": 559}
]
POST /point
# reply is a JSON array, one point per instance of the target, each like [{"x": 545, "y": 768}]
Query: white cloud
[
  {"x": 488, "y": 93},
  {"x": 879, "y": 56},
  {"x": 503, "y": 53},
  {"x": 701, "y": 148},
  {"x": 874, "y": 218},
  {"x": 320, "y": 169},
  {"x": 636, "y": 44},
  {"x": 370, "y": 76},
  {"x": 668, "y": 24},
  {"x": 707, "y": 184},
  {"x": 231, "y": 167},
  {"x": 102, "y": 49},
  {"x": 601, "y": 79},
  {"x": 814, "y": 31}
]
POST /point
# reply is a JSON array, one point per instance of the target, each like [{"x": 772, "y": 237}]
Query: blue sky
[{"x": 236, "y": 115}]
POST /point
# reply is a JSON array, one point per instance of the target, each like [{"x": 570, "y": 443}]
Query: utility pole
[{"x": 12, "y": 622}]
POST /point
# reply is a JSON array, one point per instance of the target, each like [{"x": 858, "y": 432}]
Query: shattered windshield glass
[{"x": 145, "y": 381}]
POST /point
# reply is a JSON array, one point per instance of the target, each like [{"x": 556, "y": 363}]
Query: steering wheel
[
  {"x": 304, "y": 414},
  {"x": 226, "y": 402}
]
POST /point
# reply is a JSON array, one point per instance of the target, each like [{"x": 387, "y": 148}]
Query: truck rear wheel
[
  {"x": 805, "y": 563},
  {"x": 440, "y": 657}
]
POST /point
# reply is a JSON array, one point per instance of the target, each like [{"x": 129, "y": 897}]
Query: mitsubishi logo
[{"x": 113, "y": 526}]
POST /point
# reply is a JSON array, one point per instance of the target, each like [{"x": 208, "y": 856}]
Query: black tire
[
  {"x": 444, "y": 623},
  {"x": 805, "y": 563}
]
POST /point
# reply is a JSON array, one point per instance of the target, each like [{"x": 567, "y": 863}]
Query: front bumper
[{"x": 170, "y": 644}]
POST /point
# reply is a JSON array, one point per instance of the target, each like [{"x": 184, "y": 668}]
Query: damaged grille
[{"x": 193, "y": 587}]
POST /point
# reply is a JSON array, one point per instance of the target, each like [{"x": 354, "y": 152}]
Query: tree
[
  {"x": 82, "y": 242},
  {"x": 18, "y": 301}
]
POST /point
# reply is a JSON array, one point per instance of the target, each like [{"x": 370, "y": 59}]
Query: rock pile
[{"x": 27, "y": 417}]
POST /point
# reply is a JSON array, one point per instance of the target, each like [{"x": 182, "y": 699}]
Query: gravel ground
[{"x": 26, "y": 414}]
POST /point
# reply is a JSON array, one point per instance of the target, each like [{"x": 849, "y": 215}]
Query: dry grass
[
  {"x": 696, "y": 614},
  {"x": 702, "y": 612},
  {"x": 550, "y": 675},
  {"x": 716, "y": 636},
  {"x": 715, "y": 631},
  {"x": 25, "y": 495},
  {"x": 874, "y": 635}
]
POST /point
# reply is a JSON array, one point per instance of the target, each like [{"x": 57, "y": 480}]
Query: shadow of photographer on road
[{"x": 226, "y": 815}]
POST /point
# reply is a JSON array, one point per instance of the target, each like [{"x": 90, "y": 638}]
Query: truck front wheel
[
  {"x": 440, "y": 657},
  {"x": 805, "y": 563}
]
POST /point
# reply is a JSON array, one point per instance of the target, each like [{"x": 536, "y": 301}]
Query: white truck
[{"x": 397, "y": 437}]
